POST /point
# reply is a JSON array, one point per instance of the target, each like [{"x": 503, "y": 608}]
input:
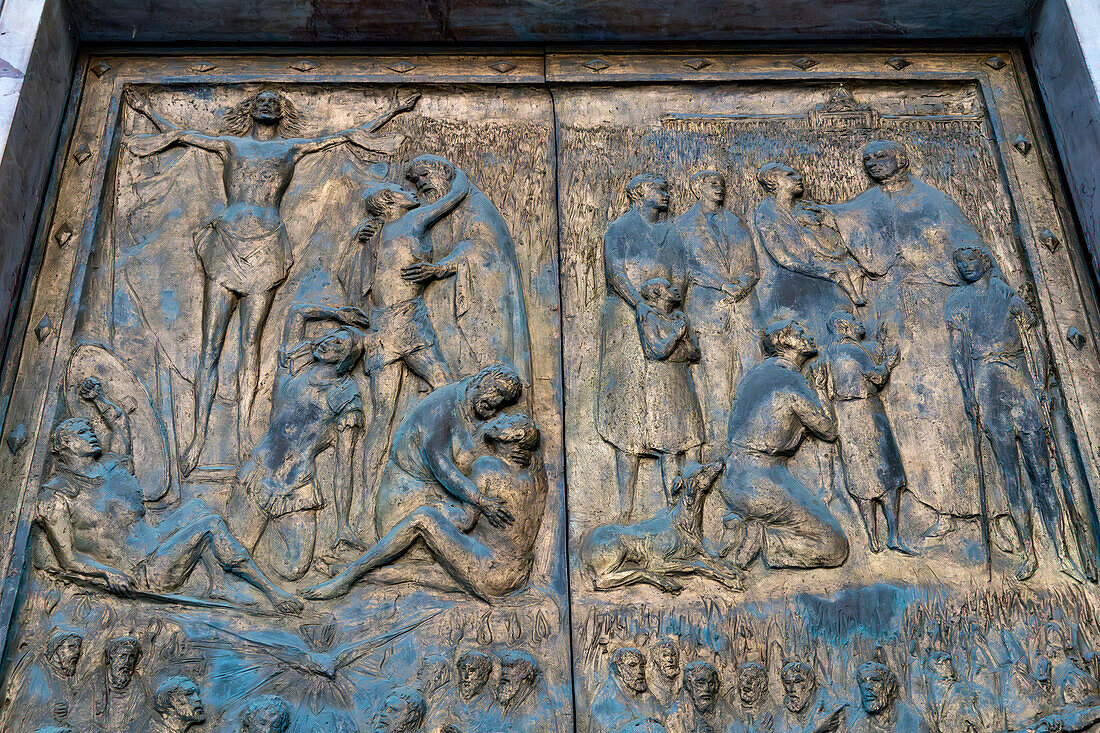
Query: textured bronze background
[{"x": 611, "y": 237}]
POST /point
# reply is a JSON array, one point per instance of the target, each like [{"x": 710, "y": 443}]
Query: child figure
[
  {"x": 873, "y": 471},
  {"x": 674, "y": 418}
]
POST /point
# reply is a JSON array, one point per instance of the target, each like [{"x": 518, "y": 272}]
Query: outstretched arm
[
  {"x": 371, "y": 127},
  {"x": 170, "y": 132}
]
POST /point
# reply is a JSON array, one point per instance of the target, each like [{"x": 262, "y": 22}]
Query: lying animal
[{"x": 655, "y": 549}]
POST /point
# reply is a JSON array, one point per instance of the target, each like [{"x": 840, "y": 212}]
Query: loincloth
[
  {"x": 397, "y": 331},
  {"x": 240, "y": 263}
]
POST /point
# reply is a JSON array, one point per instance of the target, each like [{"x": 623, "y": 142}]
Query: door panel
[{"x": 728, "y": 391}]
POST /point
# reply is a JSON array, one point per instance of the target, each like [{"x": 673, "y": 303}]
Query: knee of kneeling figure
[{"x": 837, "y": 550}]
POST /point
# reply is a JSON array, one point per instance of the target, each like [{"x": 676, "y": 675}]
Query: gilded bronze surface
[{"x": 599, "y": 392}]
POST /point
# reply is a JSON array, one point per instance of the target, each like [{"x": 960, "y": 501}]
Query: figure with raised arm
[
  {"x": 244, "y": 251},
  {"x": 402, "y": 339},
  {"x": 315, "y": 406},
  {"x": 92, "y": 517}
]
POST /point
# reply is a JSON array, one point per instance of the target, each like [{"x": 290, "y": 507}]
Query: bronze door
[{"x": 542, "y": 392}]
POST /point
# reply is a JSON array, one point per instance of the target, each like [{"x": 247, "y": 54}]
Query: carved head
[
  {"x": 661, "y": 294},
  {"x": 885, "y": 159},
  {"x": 402, "y": 712},
  {"x": 752, "y": 684},
  {"x": 878, "y": 687},
  {"x": 648, "y": 189},
  {"x": 263, "y": 108},
  {"x": 843, "y": 323},
  {"x": 474, "y": 669},
  {"x": 666, "y": 656},
  {"x": 268, "y": 714},
  {"x": 178, "y": 698},
  {"x": 628, "y": 666},
  {"x": 702, "y": 684},
  {"x": 75, "y": 438},
  {"x": 493, "y": 388},
  {"x": 518, "y": 430},
  {"x": 341, "y": 346},
  {"x": 389, "y": 201},
  {"x": 787, "y": 338},
  {"x": 1079, "y": 688},
  {"x": 692, "y": 486},
  {"x": 709, "y": 186},
  {"x": 972, "y": 263},
  {"x": 120, "y": 658},
  {"x": 940, "y": 666},
  {"x": 777, "y": 178},
  {"x": 799, "y": 686},
  {"x": 431, "y": 175},
  {"x": 63, "y": 651},
  {"x": 519, "y": 671}
]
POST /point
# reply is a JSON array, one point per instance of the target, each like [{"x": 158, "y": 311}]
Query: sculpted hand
[
  {"x": 353, "y": 315},
  {"x": 368, "y": 229},
  {"x": 494, "y": 511},
  {"x": 420, "y": 272},
  {"x": 135, "y": 101},
  {"x": 406, "y": 104},
  {"x": 819, "y": 376},
  {"x": 120, "y": 582},
  {"x": 90, "y": 389}
]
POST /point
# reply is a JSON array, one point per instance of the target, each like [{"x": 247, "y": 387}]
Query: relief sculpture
[{"x": 553, "y": 403}]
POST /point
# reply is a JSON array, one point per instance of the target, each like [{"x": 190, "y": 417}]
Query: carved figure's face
[
  {"x": 941, "y": 667},
  {"x": 712, "y": 189},
  {"x": 790, "y": 183},
  {"x": 514, "y": 680},
  {"x": 655, "y": 194},
  {"x": 489, "y": 400},
  {"x": 970, "y": 265},
  {"x": 882, "y": 164},
  {"x": 798, "y": 689},
  {"x": 702, "y": 687},
  {"x": 121, "y": 665},
  {"x": 81, "y": 442},
  {"x": 630, "y": 669},
  {"x": 752, "y": 686},
  {"x": 666, "y": 658},
  {"x": 267, "y": 107},
  {"x": 266, "y": 720},
  {"x": 473, "y": 674},
  {"x": 431, "y": 180},
  {"x": 799, "y": 341},
  {"x": 187, "y": 704},
  {"x": 67, "y": 655},
  {"x": 333, "y": 348},
  {"x": 398, "y": 715},
  {"x": 874, "y": 690}
]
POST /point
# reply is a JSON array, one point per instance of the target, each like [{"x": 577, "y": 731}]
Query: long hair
[{"x": 238, "y": 120}]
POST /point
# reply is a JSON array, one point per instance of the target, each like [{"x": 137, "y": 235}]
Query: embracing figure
[{"x": 490, "y": 558}]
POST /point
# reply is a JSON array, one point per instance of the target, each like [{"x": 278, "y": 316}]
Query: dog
[{"x": 655, "y": 549}]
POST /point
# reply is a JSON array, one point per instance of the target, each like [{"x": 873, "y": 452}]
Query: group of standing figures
[
  {"x": 707, "y": 342},
  {"x": 455, "y": 473}
]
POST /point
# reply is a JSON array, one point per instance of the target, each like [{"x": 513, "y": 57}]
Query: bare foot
[
  {"x": 285, "y": 603},
  {"x": 327, "y": 590},
  {"x": 226, "y": 594},
  {"x": 900, "y": 547},
  {"x": 944, "y": 525},
  {"x": 347, "y": 538}
]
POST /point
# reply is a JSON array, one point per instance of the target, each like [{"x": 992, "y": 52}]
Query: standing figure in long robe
[
  {"x": 902, "y": 232},
  {"x": 476, "y": 256},
  {"x": 720, "y": 265},
  {"x": 635, "y": 251}
]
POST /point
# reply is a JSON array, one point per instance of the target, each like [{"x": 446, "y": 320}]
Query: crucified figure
[{"x": 244, "y": 250}]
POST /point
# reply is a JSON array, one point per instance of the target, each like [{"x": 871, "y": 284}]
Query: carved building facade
[{"x": 554, "y": 390}]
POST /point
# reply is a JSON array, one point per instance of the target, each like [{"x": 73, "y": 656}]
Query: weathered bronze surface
[{"x": 607, "y": 392}]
